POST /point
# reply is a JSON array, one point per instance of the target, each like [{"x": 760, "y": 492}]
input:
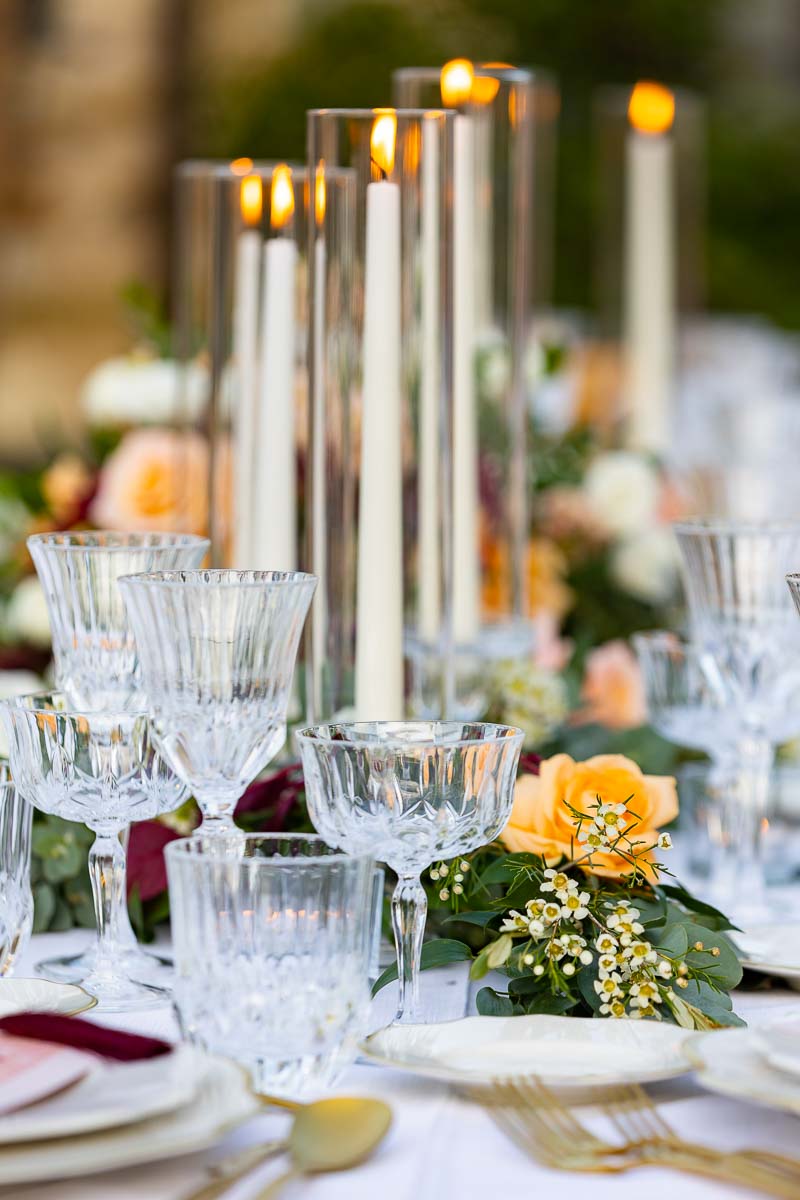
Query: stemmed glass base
[
  {"x": 149, "y": 968},
  {"x": 409, "y": 912}
]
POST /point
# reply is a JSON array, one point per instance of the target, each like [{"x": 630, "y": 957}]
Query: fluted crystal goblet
[
  {"x": 748, "y": 638},
  {"x": 96, "y": 664},
  {"x": 218, "y": 650},
  {"x": 409, "y": 793},
  {"x": 93, "y": 645},
  {"x": 104, "y": 770},
  {"x": 16, "y": 899}
]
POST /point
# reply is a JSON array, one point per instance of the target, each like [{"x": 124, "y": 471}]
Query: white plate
[
  {"x": 115, "y": 1093},
  {"x": 773, "y": 950},
  {"x": 41, "y": 995},
  {"x": 779, "y": 1043},
  {"x": 565, "y": 1051},
  {"x": 731, "y": 1061},
  {"x": 223, "y": 1101}
]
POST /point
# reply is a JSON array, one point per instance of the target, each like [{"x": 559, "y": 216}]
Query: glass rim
[
  {"x": 81, "y": 540},
  {"x": 793, "y": 579},
  {"x": 501, "y": 733},
  {"x": 508, "y": 74},
  {"x": 182, "y": 848},
  {"x": 698, "y": 525},
  {"x": 222, "y": 578},
  {"x": 402, "y": 114},
  {"x": 111, "y": 715},
  {"x": 653, "y": 636}
]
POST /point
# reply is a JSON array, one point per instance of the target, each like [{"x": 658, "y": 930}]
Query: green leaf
[
  {"x": 44, "y": 905},
  {"x": 651, "y": 912},
  {"x": 490, "y": 1003},
  {"x": 470, "y": 918},
  {"x": 674, "y": 941},
  {"x": 438, "y": 953},
  {"x": 62, "y": 916},
  {"x": 586, "y": 980},
  {"x": 684, "y": 897},
  {"x": 724, "y": 969},
  {"x": 716, "y": 1005},
  {"x": 550, "y": 1003}
]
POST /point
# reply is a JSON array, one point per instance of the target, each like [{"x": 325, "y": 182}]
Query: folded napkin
[{"x": 83, "y": 1035}]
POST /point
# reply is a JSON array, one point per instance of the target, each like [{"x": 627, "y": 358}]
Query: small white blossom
[
  {"x": 664, "y": 969},
  {"x": 606, "y": 944},
  {"x": 538, "y": 969},
  {"x": 641, "y": 952},
  {"x": 615, "y": 1008},
  {"x": 575, "y": 905},
  {"x": 569, "y": 969},
  {"x": 555, "y": 881},
  {"x": 586, "y": 957},
  {"x": 664, "y": 841},
  {"x": 589, "y": 836},
  {"x": 444, "y": 894},
  {"x": 551, "y": 912},
  {"x": 606, "y": 963},
  {"x": 608, "y": 986}
]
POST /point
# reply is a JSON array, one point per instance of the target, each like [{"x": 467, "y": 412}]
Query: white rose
[
  {"x": 137, "y": 391},
  {"x": 15, "y": 683},
  {"x": 27, "y": 619},
  {"x": 646, "y": 565},
  {"x": 493, "y": 365},
  {"x": 622, "y": 490}
]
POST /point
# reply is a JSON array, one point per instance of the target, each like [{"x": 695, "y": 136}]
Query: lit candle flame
[
  {"x": 486, "y": 87},
  {"x": 251, "y": 199},
  {"x": 320, "y": 198},
  {"x": 651, "y": 108},
  {"x": 382, "y": 140},
  {"x": 456, "y": 82},
  {"x": 282, "y": 203},
  {"x": 242, "y": 166}
]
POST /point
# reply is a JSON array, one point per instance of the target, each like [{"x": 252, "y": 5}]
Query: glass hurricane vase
[
  {"x": 16, "y": 899},
  {"x": 409, "y": 793}
]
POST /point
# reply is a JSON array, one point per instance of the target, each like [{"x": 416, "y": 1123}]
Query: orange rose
[{"x": 541, "y": 821}]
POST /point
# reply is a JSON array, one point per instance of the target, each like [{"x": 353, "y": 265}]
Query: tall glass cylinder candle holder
[
  {"x": 379, "y": 479},
  {"x": 240, "y": 318},
  {"x": 649, "y": 259},
  {"x": 502, "y": 160}
]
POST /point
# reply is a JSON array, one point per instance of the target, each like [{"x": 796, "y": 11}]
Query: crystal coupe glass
[
  {"x": 749, "y": 643},
  {"x": 408, "y": 793},
  {"x": 272, "y": 938},
  {"x": 16, "y": 899},
  {"x": 104, "y": 770},
  {"x": 96, "y": 665},
  {"x": 218, "y": 650}
]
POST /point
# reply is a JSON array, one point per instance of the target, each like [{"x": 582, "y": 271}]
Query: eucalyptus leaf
[
  {"x": 716, "y": 1005},
  {"x": 438, "y": 953},
  {"x": 586, "y": 980},
  {"x": 547, "y": 1002},
  {"x": 62, "y": 916},
  {"x": 490, "y": 1003},
  {"x": 688, "y": 900},
  {"x": 723, "y": 968},
  {"x": 44, "y": 905},
  {"x": 674, "y": 941},
  {"x": 470, "y": 918}
]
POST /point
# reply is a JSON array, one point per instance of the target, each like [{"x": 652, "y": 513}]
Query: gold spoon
[
  {"x": 327, "y": 1135},
  {"x": 332, "y": 1135}
]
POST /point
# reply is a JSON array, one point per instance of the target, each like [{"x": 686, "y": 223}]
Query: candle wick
[{"x": 383, "y": 172}]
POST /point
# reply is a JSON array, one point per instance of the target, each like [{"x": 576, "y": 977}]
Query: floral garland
[{"x": 588, "y": 927}]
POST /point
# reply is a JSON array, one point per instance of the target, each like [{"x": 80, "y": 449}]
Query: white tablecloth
[{"x": 440, "y": 1145}]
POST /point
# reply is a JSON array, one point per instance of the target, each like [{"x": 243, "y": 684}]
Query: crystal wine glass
[
  {"x": 95, "y": 654},
  {"x": 689, "y": 709},
  {"x": 93, "y": 645},
  {"x": 16, "y": 899},
  {"x": 408, "y": 793},
  {"x": 749, "y": 642},
  {"x": 218, "y": 650},
  {"x": 102, "y": 769}
]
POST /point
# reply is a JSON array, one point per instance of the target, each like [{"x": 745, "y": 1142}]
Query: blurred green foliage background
[{"x": 344, "y": 54}]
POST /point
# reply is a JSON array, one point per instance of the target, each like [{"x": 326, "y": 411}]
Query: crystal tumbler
[
  {"x": 272, "y": 937},
  {"x": 94, "y": 650},
  {"x": 102, "y": 769},
  {"x": 409, "y": 792},
  {"x": 16, "y": 900},
  {"x": 218, "y": 650}
]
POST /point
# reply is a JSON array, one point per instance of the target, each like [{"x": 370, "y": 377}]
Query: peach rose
[
  {"x": 541, "y": 821},
  {"x": 612, "y": 690},
  {"x": 154, "y": 479}
]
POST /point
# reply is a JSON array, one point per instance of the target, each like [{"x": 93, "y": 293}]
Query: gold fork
[
  {"x": 544, "y": 1128},
  {"x": 634, "y": 1115}
]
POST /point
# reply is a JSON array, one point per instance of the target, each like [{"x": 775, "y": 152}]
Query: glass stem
[
  {"x": 409, "y": 910},
  {"x": 108, "y": 877},
  {"x": 756, "y": 756},
  {"x": 217, "y": 809}
]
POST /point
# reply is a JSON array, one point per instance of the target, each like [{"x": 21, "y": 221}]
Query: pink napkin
[{"x": 83, "y": 1035}]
